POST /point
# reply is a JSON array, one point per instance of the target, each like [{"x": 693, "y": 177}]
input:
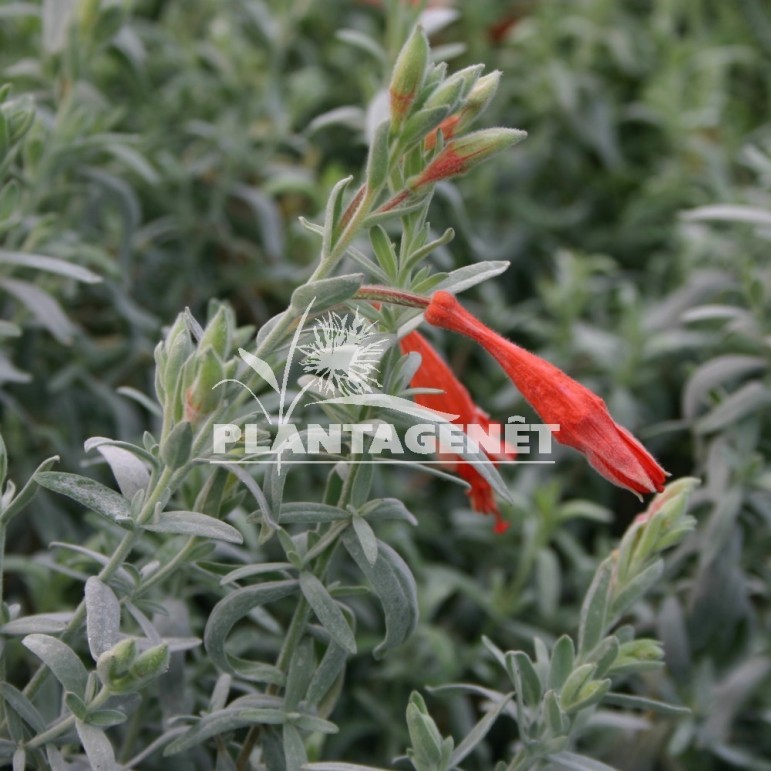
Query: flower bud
[
  {"x": 178, "y": 350},
  {"x": 474, "y": 105},
  {"x": 423, "y": 123},
  {"x": 113, "y": 664},
  {"x": 408, "y": 74},
  {"x": 202, "y": 397},
  {"x": 463, "y": 154},
  {"x": 218, "y": 333},
  {"x": 448, "y": 94},
  {"x": 150, "y": 664},
  {"x": 479, "y": 98}
]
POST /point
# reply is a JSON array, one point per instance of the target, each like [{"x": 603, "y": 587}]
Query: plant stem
[
  {"x": 64, "y": 725},
  {"x": 105, "y": 574},
  {"x": 168, "y": 568},
  {"x": 300, "y": 616},
  {"x": 329, "y": 262}
]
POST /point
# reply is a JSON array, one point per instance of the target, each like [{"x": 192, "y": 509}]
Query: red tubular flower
[
  {"x": 455, "y": 399},
  {"x": 582, "y": 416}
]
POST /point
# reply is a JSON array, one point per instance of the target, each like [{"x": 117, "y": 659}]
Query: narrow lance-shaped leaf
[
  {"x": 42, "y": 306},
  {"x": 50, "y": 265},
  {"x": 595, "y": 608},
  {"x": 394, "y": 585},
  {"x": 87, "y": 492},
  {"x": 232, "y": 609},
  {"x": 477, "y": 733},
  {"x": 221, "y": 722},
  {"x": 193, "y": 523},
  {"x": 327, "y": 611}
]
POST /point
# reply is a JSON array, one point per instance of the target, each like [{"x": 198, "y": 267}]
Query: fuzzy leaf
[
  {"x": 23, "y": 707},
  {"x": 130, "y": 473},
  {"x": 470, "y": 275},
  {"x": 232, "y": 609},
  {"x": 97, "y": 746},
  {"x": 42, "y": 306},
  {"x": 594, "y": 610},
  {"x": 367, "y": 538},
  {"x": 221, "y": 722},
  {"x": 102, "y": 617},
  {"x": 477, "y": 733},
  {"x": 87, "y": 492},
  {"x": 562, "y": 659},
  {"x": 327, "y": 611},
  {"x": 311, "y": 513},
  {"x": 327, "y": 292},
  {"x": 383, "y": 509},
  {"x": 50, "y": 265},
  {"x": 193, "y": 523},
  {"x": 395, "y": 587},
  {"x": 630, "y": 701}
]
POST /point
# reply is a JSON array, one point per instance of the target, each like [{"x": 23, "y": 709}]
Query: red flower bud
[
  {"x": 455, "y": 399},
  {"x": 582, "y": 416},
  {"x": 447, "y": 127},
  {"x": 462, "y": 154}
]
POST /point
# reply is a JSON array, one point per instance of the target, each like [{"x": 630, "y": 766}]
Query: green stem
[
  {"x": 326, "y": 540},
  {"x": 168, "y": 568},
  {"x": 64, "y": 725},
  {"x": 329, "y": 262},
  {"x": 300, "y": 616}
]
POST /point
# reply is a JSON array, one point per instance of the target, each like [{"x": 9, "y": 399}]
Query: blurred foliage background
[{"x": 169, "y": 149}]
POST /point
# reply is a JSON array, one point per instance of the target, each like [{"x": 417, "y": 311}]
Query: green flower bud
[
  {"x": 408, "y": 75},
  {"x": 114, "y": 663},
  {"x": 151, "y": 664},
  {"x": 421, "y": 123},
  {"x": 478, "y": 100},
  {"x": 179, "y": 349},
  {"x": 218, "y": 333},
  {"x": 448, "y": 95},
  {"x": 202, "y": 397},
  {"x": 455, "y": 88}
]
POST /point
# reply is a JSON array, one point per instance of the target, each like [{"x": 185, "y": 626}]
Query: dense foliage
[{"x": 171, "y": 171}]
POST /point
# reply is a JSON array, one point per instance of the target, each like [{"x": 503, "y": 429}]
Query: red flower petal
[
  {"x": 583, "y": 419},
  {"x": 455, "y": 399}
]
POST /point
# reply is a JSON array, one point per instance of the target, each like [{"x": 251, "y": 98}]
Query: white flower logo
[{"x": 344, "y": 355}]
